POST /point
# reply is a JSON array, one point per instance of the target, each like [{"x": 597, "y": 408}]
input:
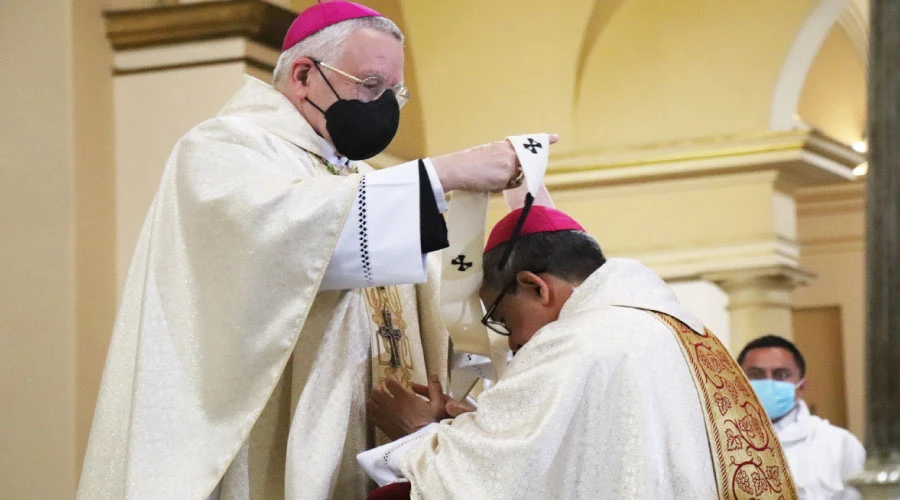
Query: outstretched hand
[{"x": 491, "y": 167}]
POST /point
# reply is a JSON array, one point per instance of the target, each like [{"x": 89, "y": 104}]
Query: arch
[
  {"x": 855, "y": 21},
  {"x": 798, "y": 61},
  {"x": 601, "y": 15},
  {"x": 671, "y": 71},
  {"x": 833, "y": 99}
]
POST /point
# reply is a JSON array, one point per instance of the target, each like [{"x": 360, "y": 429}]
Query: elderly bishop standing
[{"x": 266, "y": 293}]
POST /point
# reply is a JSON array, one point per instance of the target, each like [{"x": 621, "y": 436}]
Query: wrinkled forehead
[{"x": 371, "y": 52}]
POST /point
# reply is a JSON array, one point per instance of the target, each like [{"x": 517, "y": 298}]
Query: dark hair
[
  {"x": 774, "y": 341},
  {"x": 570, "y": 255}
]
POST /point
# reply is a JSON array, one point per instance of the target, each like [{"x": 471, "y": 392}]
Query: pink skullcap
[
  {"x": 540, "y": 219},
  {"x": 321, "y": 16}
]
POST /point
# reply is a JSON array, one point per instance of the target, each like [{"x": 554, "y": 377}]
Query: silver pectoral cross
[{"x": 392, "y": 336}]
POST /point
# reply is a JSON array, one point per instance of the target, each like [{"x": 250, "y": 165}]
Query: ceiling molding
[
  {"x": 716, "y": 262},
  {"x": 803, "y": 157},
  {"x": 255, "y": 20}
]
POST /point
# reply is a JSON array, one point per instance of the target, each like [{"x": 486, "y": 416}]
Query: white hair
[{"x": 328, "y": 44}]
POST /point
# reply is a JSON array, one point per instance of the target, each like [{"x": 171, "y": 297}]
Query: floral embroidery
[
  {"x": 731, "y": 387},
  {"x": 735, "y": 441},
  {"x": 747, "y": 427},
  {"x": 749, "y": 462},
  {"x": 773, "y": 474},
  {"x": 759, "y": 483}
]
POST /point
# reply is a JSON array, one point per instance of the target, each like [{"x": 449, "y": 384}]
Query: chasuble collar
[
  {"x": 265, "y": 106},
  {"x": 628, "y": 283}
]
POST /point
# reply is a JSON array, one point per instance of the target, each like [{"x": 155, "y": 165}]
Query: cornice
[
  {"x": 255, "y": 20},
  {"x": 805, "y": 157}
]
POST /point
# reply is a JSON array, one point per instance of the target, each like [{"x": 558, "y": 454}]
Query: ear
[
  {"x": 803, "y": 385},
  {"x": 533, "y": 284},
  {"x": 298, "y": 80}
]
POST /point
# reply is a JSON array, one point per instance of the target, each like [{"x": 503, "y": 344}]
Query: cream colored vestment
[
  {"x": 228, "y": 369},
  {"x": 599, "y": 404},
  {"x": 626, "y": 395}
]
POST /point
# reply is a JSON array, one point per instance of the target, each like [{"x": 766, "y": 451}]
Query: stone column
[
  {"x": 881, "y": 478},
  {"x": 760, "y": 301}
]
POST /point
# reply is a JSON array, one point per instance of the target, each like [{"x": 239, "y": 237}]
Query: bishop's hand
[
  {"x": 490, "y": 167},
  {"x": 399, "y": 411}
]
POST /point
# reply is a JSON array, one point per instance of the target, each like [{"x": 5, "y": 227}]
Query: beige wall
[
  {"x": 95, "y": 207},
  {"x": 709, "y": 304},
  {"x": 37, "y": 259},
  {"x": 152, "y": 110},
  {"x": 831, "y": 227},
  {"x": 818, "y": 335},
  {"x": 646, "y": 80},
  {"x": 666, "y": 216}
]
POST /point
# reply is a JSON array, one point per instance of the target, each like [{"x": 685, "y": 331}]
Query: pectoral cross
[{"x": 392, "y": 336}]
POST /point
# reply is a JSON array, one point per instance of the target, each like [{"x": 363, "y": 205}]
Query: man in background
[{"x": 821, "y": 456}]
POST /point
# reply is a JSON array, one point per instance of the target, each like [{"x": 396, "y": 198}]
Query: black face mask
[{"x": 361, "y": 130}]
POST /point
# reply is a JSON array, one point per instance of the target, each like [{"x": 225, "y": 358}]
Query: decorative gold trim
[
  {"x": 249, "y": 61},
  {"x": 256, "y": 20},
  {"x": 749, "y": 461}
]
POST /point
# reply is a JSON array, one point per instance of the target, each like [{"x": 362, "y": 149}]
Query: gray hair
[{"x": 329, "y": 43}]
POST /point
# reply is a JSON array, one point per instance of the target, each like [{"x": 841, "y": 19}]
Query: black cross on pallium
[
  {"x": 460, "y": 261},
  {"x": 532, "y": 145}
]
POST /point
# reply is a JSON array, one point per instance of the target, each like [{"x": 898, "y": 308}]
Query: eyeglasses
[
  {"x": 371, "y": 87},
  {"x": 499, "y": 326}
]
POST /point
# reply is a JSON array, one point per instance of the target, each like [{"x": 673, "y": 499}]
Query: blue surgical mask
[{"x": 777, "y": 397}]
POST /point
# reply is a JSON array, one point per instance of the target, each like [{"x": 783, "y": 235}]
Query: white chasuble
[{"x": 230, "y": 373}]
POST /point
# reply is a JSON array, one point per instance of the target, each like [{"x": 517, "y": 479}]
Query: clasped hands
[{"x": 399, "y": 411}]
